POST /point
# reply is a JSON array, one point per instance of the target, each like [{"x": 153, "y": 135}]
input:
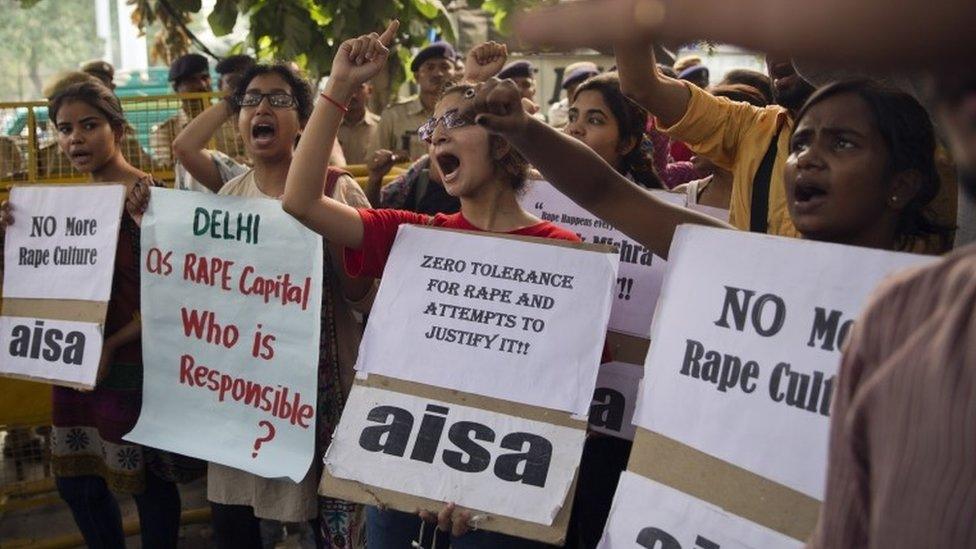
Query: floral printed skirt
[{"x": 88, "y": 430}]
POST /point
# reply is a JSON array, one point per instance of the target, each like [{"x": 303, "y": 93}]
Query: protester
[
  {"x": 273, "y": 104},
  {"x": 359, "y": 128},
  {"x": 897, "y": 474},
  {"x": 613, "y": 126},
  {"x": 433, "y": 68},
  {"x": 90, "y": 460},
  {"x": 755, "y": 79},
  {"x": 860, "y": 171},
  {"x": 189, "y": 73},
  {"x": 199, "y": 168},
  {"x": 483, "y": 172},
  {"x": 101, "y": 70},
  {"x": 574, "y": 75},
  {"x": 715, "y": 189},
  {"x": 54, "y": 163},
  {"x": 420, "y": 189}
]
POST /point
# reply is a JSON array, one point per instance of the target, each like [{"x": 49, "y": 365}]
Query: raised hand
[
  {"x": 360, "y": 59},
  {"x": 381, "y": 162},
  {"x": 497, "y": 106},
  {"x": 484, "y": 61}
]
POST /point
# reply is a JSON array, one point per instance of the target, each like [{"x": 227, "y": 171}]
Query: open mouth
[
  {"x": 805, "y": 193},
  {"x": 262, "y": 133},
  {"x": 449, "y": 166},
  {"x": 80, "y": 157}
]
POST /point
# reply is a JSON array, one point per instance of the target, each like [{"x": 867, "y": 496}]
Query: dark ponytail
[{"x": 632, "y": 121}]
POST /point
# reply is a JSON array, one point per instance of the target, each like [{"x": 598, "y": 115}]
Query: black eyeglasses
[
  {"x": 277, "y": 100},
  {"x": 453, "y": 118}
]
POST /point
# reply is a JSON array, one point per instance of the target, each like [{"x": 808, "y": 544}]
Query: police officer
[{"x": 433, "y": 68}]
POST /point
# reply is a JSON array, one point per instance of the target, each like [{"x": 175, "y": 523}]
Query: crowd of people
[{"x": 854, "y": 160}]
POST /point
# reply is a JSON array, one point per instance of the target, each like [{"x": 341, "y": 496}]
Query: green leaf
[
  {"x": 223, "y": 17},
  {"x": 428, "y": 8}
]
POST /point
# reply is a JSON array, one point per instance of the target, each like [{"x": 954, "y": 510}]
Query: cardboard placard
[
  {"x": 59, "y": 259},
  {"x": 638, "y": 282},
  {"x": 370, "y": 494},
  {"x": 734, "y": 408},
  {"x": 650, "y": 515},
  {"x": 484, "y": 313},
  {"x": 231, "y": 307},
  {"x": 614, "y": 400}
]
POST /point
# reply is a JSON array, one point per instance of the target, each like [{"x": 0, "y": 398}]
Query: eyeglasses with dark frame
[{"x": 277, "y": 100}]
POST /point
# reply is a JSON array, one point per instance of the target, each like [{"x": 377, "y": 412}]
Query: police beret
[
  {"x": 437, "y": 50},
  {"x": 578, "y": 75},
  {"x": 517, "y": 69}
]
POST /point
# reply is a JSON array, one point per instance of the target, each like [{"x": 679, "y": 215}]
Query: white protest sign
[
  {"x": 477, "y": 458},
  {"x": 638, "y": 282},
  {"x": 614, "y": 400},
  {"x": 51, "y": 350},
  {"x": 494, "y": 316},
  {"x": 231, "y": 299},
  {"x": 649, "y": 515},
  {"x": 747, "y": 345},
  {"x": 62, "y": 242}
]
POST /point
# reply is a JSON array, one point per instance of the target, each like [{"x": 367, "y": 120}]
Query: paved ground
[{"x": 53, "y": 520}]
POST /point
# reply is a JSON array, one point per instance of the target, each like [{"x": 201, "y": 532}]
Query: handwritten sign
[
  {"x": 638, "y": 283},
  {"x": 231, "y": 298},
  {"x": 486, "y": 315},
  {"x": 59, "y": 257}
]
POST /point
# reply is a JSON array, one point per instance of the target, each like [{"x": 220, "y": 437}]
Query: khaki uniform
[
  {"x": 403, "y": 119},
  {"x": 355, "y": 139},
  {"x": 161, "y": 137}
]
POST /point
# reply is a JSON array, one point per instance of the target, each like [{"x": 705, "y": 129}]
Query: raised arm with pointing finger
[
  {"x": 357, "y": 60},
  {"x": 580, "y": 173}
]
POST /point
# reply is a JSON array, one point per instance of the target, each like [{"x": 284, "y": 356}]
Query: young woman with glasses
[
  {"x": 485, "y": 172},
  {"x": 272, "y": 104}
]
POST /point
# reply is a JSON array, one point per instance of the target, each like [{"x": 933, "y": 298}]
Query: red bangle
[{"x": 338, "y": 105}]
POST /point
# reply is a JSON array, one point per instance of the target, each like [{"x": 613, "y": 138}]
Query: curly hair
[
  {"x": 301, "y": 90},
  {"x": 632, "y": 123},
  {"x": 515, "y": 166}
]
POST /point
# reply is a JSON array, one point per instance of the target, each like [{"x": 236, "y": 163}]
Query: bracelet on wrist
[{"x": 337, "y": 104}]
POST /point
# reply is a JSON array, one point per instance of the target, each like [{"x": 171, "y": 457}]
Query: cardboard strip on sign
[
  {"x": 732, "y": 488},
  {"x": 603, "y": 248},
  {"x": 627, "y": 348},
  {"x": 57, "y": 309},
  {"x": 361, "y": 493}
]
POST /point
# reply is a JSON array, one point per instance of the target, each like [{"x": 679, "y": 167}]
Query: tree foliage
[{"x": 35, "y": 43}]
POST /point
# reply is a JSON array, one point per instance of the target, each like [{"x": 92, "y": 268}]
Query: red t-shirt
[{"x": 380, "y": 229}]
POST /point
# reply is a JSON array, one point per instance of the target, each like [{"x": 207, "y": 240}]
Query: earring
[{"x": 894, "y": 198}]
